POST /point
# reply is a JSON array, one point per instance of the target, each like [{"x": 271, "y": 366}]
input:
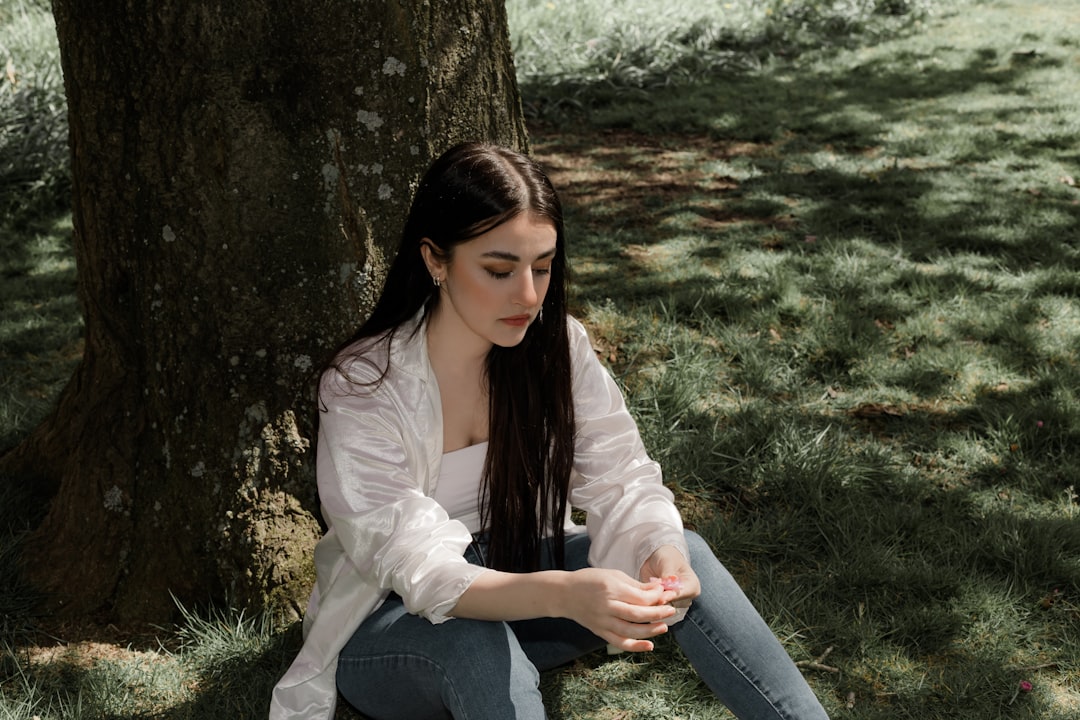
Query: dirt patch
[
  {"x": 621, "y": 166},
  {"x": 86, "y": 654},
  {"x": 619, "y": 174},
  {"x": 83, "y": 642}
]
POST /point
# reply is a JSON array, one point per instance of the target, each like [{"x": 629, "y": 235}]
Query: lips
[{"x": 516, "y": 320}]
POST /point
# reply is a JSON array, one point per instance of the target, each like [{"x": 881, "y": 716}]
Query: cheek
[{"x": 479, "y": 289}]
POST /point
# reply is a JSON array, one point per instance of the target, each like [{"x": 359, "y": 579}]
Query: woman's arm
[
  {"x": 372, "y": 465},
  {"x": 630, "y": 514},
  {"x": 619, "y": 609}
]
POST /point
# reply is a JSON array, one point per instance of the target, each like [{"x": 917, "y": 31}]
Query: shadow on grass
[
  {"x": 236, "y": 686},
  {"x": 240, "y": 686},
  {"x": 40, "y": 321},
  {"x": 934, "y": 597},
  {"x": 929, "y": 200}
]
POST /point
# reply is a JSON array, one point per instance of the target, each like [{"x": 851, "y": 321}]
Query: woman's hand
[
  {"x": 617, "y": 608},
  {"x": 624, "y": 612},
  {"x": 667, "y": 562}
]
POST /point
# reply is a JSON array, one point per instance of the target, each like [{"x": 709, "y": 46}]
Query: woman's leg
[
  {"x": 551, "y": 642},
  {"x": 399, "y": 665},
  {"x": 734, "y": 651}
]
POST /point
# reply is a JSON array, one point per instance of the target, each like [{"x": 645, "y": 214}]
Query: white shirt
[
  {"x": 379, "y": 454},
  {"x": 458, "y": 490}
]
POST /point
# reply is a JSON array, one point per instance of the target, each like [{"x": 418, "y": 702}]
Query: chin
[
  {"x": 509, "y": 343},
  {"x": 508, "y": 340}
]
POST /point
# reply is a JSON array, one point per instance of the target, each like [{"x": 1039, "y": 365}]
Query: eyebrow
[{"x": 501, "y": 255}]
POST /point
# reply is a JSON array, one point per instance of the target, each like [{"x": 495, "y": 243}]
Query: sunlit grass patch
[
  {"x": 878, "y": 331},
  {"x": 222, "y": 664},
  {"x": 603, "y": 54}
]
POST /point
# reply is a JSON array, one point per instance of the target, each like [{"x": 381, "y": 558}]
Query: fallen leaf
[
  {"x": 1047, "y": 602},
  {"x": 870, "y": 410}
]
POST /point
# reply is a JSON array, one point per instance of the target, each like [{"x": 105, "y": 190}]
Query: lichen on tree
[{"x": 233, "y": 203}]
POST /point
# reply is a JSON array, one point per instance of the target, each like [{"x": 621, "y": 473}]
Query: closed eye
[{"x": 510, "y": 273}]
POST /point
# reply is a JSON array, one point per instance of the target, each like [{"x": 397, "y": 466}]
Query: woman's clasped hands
[{"x": 625, "y": 612}]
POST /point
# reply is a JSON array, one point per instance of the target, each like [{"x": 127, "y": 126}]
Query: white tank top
[{"x": 458, "y": 490}]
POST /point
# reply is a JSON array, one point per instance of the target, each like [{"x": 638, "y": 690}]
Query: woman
[{"x": 458, "y": 426}]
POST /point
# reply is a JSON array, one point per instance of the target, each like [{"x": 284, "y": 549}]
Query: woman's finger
[{"x": 639, "y": 614}]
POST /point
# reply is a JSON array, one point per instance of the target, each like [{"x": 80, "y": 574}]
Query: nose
[{"x": 526, "y": 291}]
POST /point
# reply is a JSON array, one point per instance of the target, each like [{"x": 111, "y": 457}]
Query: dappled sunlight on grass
[
  {"x": 839, "y": 284},
  {"x": 40, "y": 322},
  {"x": 846, "y": 318}
]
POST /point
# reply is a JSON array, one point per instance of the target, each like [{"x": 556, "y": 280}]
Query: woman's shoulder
[
  {"x": 579, "y": 340},
  {"x": 576, "y": 331},
  {"x": 364, "y": 366},
  {"x": 362, "y": 362}
]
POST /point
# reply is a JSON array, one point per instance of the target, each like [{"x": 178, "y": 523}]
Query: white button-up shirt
[{"x": 379, "y": 451}]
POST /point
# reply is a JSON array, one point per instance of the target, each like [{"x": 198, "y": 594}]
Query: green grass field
[{"x": 831, "y": 250}]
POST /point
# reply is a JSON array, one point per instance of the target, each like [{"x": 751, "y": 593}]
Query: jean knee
[
  {"x": 480, "y": 646},
  {"x": 698, "y": 547},
  {"x": 452, "y": 666},
  {"x": 491, "y": 671},
  {"x": 710, "y": 571}
]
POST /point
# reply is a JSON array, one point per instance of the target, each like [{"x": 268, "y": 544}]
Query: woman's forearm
[
  {"x": 623, "y": 611},
  {"x": 503, "y": 596}
]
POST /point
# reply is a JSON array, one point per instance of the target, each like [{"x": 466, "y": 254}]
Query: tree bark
[{"x": 241, "y": 168}]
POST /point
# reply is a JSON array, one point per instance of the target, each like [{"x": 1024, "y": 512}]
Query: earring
[
  {"x": 437, "y": 282},
  {"x": 540, "y": 317}
]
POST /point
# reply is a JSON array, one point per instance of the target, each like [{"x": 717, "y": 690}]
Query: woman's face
[{"x": 494, "y": 285}]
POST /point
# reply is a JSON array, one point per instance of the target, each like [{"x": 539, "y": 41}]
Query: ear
[{"x": 430, "y": 253}]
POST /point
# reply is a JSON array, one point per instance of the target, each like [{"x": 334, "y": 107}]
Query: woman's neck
[
  {"x": 452, "y": 348},
  {"x": 460, "y": 370}
]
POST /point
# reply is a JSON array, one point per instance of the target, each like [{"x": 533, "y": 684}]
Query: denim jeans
[{"x": 398, "y": 665}]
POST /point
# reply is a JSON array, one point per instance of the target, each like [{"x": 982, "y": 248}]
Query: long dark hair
[{"x": 469, "y": 190}]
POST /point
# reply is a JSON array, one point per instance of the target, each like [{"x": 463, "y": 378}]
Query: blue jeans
[{"x": 398, "y": 665}]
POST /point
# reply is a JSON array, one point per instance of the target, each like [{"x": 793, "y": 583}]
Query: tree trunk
[{"x": 240, "y": 170}]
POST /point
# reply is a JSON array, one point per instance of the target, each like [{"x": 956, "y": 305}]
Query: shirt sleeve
[
  {"x": 630, "y": 513},
  {"x": 372, "y": 469}
]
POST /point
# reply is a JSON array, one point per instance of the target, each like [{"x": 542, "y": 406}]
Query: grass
[
  {"x": 841, "y": 292},
  {"x": 40, "y": 323},
  {"x": 830, "y": 251},
  {"x": 33, "y": 122},
  {"x": 220, "y": 664},
  {"x": 570, "y": 56}
]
